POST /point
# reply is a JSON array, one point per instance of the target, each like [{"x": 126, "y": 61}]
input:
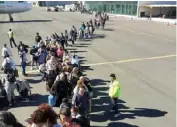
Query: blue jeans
[
  {"x": 23, "y": 64},
  {"x": 44, "y": 75}
]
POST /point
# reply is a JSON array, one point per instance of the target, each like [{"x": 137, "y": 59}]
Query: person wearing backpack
[
  {"x": 8, "y": 64},
  {"x": 9, "y": 85}
]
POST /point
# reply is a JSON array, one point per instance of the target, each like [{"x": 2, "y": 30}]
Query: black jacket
[
  {"x": 24, "y": 47},
  {"x": 62, "y": 89}
]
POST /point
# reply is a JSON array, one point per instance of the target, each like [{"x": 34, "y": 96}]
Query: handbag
[{"x": 16, "y": 73}]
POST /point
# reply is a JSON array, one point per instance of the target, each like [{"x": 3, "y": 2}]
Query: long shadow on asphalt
[
  {"x": 85, "y": 44},
  {"x": 33, "y": 81},
  {"x": 81, "y": 46},
  {"x": 96, "y": 82},
  {"x": 81, "y": 57},
  {"x": 86, "y": 68},
  {"x": 35, "y": 100},
  {"x": 118, "y": 124},
  {"x": 102, "y": 105},
  {"x": 77, "y": 51},
  {"x": 98, "y": 36},
  {"x": 26, "y": 21},
  {"x": 107, "y": 29}
]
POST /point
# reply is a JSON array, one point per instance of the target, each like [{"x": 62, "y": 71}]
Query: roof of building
[{"x": 159, "y": 5}]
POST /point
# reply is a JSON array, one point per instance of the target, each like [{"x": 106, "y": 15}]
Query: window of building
[
  {"x": 118, "y": 9},
  {"x": 104, "y": 8},
  {"x": 112, "y": 8},
  {"x": 123, "y": 9}
]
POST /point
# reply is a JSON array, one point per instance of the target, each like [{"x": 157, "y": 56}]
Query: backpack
[{"x": 11, "y": 77}]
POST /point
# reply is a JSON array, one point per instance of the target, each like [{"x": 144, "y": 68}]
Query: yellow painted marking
[
  {"x": 118, "y": 62},
  {"x": 131, "y": 60}
]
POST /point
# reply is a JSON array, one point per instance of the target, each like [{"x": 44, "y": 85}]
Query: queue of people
[{"x": 61, "y": 71}]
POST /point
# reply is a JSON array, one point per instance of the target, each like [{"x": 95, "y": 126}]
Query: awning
[{"x": 154, "y": 5}]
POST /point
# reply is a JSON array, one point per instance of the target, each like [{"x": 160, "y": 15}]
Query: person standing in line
[
  {"x": 9, "y": 85},
  {"x": 66, "y": 37},
  {"x": 75, "y": 32},
  {"x": 11, "y": 38},
  {"x": 34, "y": 58},
  {"x": 8, "y": 64},
  {"x": 72, "y": 36},
  {"x": 42, "y": 54},
  {"x": 62, "y": 40},
  {"x": 114, "y": 94},
  {"x": 23, "y": 60},
  {"x": 5, "y": 51}
]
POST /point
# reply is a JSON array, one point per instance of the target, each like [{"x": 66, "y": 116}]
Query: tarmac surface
[{"x": 141, "y": 53}]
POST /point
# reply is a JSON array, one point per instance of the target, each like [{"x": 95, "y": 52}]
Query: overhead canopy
[{"x": 157, "y": 5}]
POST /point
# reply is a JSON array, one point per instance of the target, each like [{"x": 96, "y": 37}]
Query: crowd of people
[{"x": 62, "y": 73}]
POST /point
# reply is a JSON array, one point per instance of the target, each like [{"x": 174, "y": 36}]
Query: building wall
[
  {"x": 144, "y": 9},
  {"x": 156, "y": 2},
  {"x": 115, "y": 7},
  {"x": 156, "y": 10},
  {"x": 54, "y": 3}
]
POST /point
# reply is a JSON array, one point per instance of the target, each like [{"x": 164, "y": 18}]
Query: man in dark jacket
[
  {"x": 62, "y": 40},
  {"x": 23, "y": 46},
  {"x": 34, "y": 58},
  {"x": 61, "y": 89},
  {"x": 72, "y": 36},
  {"x": 50, "y": 79}
]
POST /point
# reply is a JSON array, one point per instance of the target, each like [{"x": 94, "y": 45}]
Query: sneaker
[{"x": 117, "y": 115}]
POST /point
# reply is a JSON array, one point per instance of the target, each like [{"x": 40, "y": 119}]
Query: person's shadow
[
  {"x": 118, "y": 124},
  {"x": 100, "y": 111}
]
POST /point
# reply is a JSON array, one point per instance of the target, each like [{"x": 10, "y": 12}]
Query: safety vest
[{"x": 114, "y": 90}]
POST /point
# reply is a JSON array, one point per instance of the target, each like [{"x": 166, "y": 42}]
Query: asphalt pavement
[{"x": 142, "y": 54}]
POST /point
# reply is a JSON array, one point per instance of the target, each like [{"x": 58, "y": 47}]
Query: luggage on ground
[{"x": 51, "y": 100}]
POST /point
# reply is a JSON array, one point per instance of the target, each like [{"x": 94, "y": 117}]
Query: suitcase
[{"x": 51, "y": 100}]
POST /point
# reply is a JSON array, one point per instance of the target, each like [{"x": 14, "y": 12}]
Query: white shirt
[
  {"x": 6, "y": 50},
  {"x": 8, "y": 60},
  {"x": 50, "y": 65},
  {"x": 86, "y": 30},
  {"x": 23, "y": 56},
  {"x": 76, "y": 89},
  {"x": 75, "y": 60}
]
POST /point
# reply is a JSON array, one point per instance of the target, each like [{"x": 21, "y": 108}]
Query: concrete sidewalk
[{"x": 170, "y": 21}]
